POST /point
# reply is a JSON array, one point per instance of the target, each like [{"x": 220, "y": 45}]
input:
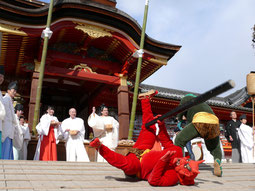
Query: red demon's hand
[{"x": 167, "y": 156}]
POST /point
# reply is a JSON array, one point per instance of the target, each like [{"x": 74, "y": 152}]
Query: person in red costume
[{"x": 161, "y": 168}]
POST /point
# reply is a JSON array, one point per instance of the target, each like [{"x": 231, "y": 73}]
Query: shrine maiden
[
  {"x": 246, "y": 141},
  {"x": 48, "y": 130}
]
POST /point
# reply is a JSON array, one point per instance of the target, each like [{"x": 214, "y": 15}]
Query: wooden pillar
[
  {"x": 123, "y": 108},
  {"x": 34, "y": 84}
]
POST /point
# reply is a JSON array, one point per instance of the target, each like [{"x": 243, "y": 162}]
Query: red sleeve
[{"x": 161, "y": 175}]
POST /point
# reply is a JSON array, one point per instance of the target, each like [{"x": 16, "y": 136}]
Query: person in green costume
[{"x": 201, "y": 122}]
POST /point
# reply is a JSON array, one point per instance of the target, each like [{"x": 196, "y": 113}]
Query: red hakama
[{"x": 48, "y": 149}]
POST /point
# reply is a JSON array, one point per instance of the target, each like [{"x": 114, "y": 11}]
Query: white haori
[
  {"x": 10, "y": 121},
  {"x": 2, "y": 111},
  {"x": 246, "y": 142},
  {"x": 18, "y": 138},
  {"x": 43, "y": 130},
  {"x": 75, "y": 150},
  {"x": 26, "y": 139},
  {"x": 108, "y": 138}
]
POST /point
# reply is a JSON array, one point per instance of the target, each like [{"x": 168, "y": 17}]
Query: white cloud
[{"x": 216, "y": 40}]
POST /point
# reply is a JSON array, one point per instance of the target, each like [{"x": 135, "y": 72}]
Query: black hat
[
  {"x": 19, "y": 107},
  {"x": 243, "y": 117},
  {"x": 2, "y": 69},
  {"x": 13, "y": 85}
]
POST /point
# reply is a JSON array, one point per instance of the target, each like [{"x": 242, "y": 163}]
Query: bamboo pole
[
  {"x": 138, "y": 71},
  {"x": 46, "y": 33}
]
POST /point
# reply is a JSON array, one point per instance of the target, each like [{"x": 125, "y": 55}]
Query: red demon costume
[{"x": 160, "y": 168}]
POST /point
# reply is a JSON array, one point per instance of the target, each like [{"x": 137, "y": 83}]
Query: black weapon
[{"x": 196, "y": 100}]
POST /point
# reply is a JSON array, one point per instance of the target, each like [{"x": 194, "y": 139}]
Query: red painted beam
[
  {"x": 91, "y": 62},
  {"x": 82, "y": 75},
  {"x": 123, "y": 39}
]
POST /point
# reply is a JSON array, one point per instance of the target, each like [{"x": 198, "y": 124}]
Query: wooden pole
[
  {"x": 197, "y": 100},
  {"x": 138, "y": 71},
  {"x": 46, "y": 33},
  {"x": 253, "y": 99}
]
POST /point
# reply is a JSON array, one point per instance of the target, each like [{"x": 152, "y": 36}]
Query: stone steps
[{"x": 60, "y": 175}]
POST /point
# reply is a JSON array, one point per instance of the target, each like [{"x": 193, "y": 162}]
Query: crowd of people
[
  {"x": 161, "y": 166},
  {"x": 72, "y": 131},
  {"x": 240, "y": 135},
  {"x": 15, "y": 133}
]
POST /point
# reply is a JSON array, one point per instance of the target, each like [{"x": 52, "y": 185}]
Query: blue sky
[{"x": 215, "y": 36}]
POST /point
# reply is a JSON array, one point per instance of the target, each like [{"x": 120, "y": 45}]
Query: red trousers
[
  {"x": 151, "y": 168},
  {"x": 48, "y": 149}
]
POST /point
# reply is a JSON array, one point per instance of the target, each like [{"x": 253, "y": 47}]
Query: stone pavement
[{"x": 39, "y": 175}]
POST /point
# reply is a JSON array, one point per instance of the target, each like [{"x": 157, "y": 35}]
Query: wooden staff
[{"x": 197, "y": 100}]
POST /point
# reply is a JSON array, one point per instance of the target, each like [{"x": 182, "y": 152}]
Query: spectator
[
  {"x": 26, "y": 138},
  {"x": 2, "y": 109},
  {"x": 180, "y": 126},
  {"x": 10, "y": 122},
  {"x": 232, "y": 137},
  {"x": 18, "y": 134},
  {"x": 246, "y": 141}
]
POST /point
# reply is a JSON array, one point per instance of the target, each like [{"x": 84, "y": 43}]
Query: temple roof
[
  {"x": 240, "y": 97},
  {"x": 74, "y": 24},
  {"x": 91, "y": 10}
]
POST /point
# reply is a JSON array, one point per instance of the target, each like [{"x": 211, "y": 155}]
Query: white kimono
[
  {"x": 43, "y": 129},
  {"x": 108, "y": 138},
  {"x": 10, "y": 122},
  {"x": 246, "y": 142},
  {"x": 75, "y": 150},
  {"x": 26, "y": 139},
  {"x": 18, "y": 139},
  {"x": 2, "y": 111}
]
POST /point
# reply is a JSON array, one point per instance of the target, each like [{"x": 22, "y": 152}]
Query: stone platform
[{"x": 60, "y": 175}]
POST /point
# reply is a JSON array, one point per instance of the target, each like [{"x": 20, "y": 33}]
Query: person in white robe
[
  {"x": 2, "y": 109},
  {"x": 18, "y": 134},
  {"x": 106, "y": 128},
  {"x": 10, "y": 123},
  {"x": 74, "y": 131},
  {"x": 246, "y": 141},
  {"x": 49, "y": 131},
  {"x": 26, "y": 138}
]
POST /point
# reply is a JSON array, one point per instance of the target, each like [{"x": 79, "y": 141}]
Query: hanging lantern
[{"x": 251, "y": 83}]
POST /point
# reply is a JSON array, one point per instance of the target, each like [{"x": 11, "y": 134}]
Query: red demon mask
[{"x": 187, "y": 170}]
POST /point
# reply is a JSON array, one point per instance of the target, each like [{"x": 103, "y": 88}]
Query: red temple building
[{"x": 89, "y": 60}]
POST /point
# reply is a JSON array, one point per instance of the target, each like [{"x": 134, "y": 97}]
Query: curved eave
[
  {"x": 177, "y": 95},
  {"x": 89, "y": 11}
]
